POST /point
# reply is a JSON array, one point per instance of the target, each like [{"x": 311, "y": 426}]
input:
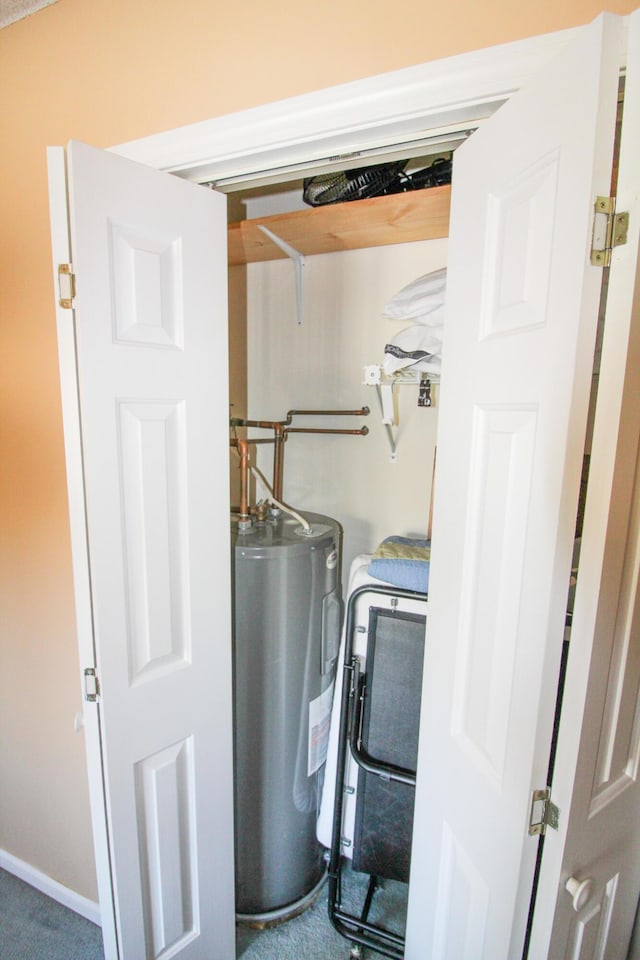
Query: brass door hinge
[
  {"x": 91, "y": 685},
  {"x": 66, "y": 285},
  {"x": 609, "y": 230},
  {"x": 543, "y": 813}
]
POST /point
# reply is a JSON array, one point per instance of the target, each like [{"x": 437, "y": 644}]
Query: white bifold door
[
  {"x": 522, "y": 313},
  {"x": 144, "y": 385},
  {"x": 599, "y": 834},
  {"x": 150, "y": 337}
]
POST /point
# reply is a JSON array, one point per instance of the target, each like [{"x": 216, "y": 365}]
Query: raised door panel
[
  {"x": 522, "y": 308},
  {"x": 595, "y": 780},
  {"x": 149, "y": 252}
]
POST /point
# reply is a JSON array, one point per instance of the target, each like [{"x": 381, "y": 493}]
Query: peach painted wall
[{"x": 109, "y": 71}]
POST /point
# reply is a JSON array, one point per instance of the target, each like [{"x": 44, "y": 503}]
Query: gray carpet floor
[
  {"x": 311, "y": 935},
  {"x": 34, "y": 927}
]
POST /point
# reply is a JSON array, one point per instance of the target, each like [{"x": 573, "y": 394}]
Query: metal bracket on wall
[
  {"x": 385, "y": 387},
  {"x": 298, "y": 263}
]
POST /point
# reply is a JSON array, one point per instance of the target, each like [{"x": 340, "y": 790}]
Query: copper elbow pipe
[
  {"x": 262, "y": 424},
  {"x": 252, "y": 441},
  {"x": 281, "y": 429}
]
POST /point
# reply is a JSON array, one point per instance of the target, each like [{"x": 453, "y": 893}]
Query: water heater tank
[{"x": 287, "y": 616}]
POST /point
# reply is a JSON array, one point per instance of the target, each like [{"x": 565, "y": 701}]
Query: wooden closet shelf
[{"x": 399, "y": 218}]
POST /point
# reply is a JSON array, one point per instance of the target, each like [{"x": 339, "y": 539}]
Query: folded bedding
[
  {"x": 396, "y": 360},
  {"x": 420, "y": 301},
  {"x": 418, "y": 347},
  {"x": 403, "y": 562}
]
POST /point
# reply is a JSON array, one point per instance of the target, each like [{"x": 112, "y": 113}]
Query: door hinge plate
[
  {"x": 610, "y": 230},
  {"x": 66, "y": 286},
  {"x": 544, "y": 813},
  {"x": 91, "y": 685}
]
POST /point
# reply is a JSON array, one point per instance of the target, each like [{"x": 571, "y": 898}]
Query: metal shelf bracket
[{"x": 298, "y": 263}]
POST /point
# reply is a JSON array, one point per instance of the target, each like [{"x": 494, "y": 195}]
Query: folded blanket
[{"x": 404, "y": 562}]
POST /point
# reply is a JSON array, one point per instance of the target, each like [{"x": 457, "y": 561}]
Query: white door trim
[
  {"x": 61, "y": 250},
  {"x": 399, "y": 106}
]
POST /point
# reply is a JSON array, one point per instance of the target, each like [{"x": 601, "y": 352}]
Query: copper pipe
[
  {"x": 233, "y": 442},
  {"x": 281, "y": 428},
  {"x": 362, "y": 432},
  {"x": 272, "y": 424},
  {"x": 278, "y": 460},
  {"x": 278, "y": 456},
  {"x": 363, "y": 412},
  {"x": 243, "y": 449},
  {"x": 262, "y": 424}
]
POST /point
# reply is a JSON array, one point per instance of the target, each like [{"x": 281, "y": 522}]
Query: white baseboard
[{"x": 68, "y": 898}]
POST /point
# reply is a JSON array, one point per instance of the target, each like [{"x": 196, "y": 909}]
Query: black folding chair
[{"x": 379, "y": 721}]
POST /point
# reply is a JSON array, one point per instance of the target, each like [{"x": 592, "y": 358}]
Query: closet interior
[
  {"x": 318, "y": 425},
  {"x": 357, "y": 256}
]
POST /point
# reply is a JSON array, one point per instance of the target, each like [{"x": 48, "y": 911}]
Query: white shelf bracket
[
  {"x": 385, "y": 399},
  {"x": 385, "y": 386},
  {"x": 298, "y": 263}
]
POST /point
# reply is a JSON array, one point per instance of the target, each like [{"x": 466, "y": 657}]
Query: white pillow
[
  {"x": 419, "y": 299},
  {"x": 417, "y": 337},
  {"x": 429, "y": 364},
  {"x": 418, "y": 347}
]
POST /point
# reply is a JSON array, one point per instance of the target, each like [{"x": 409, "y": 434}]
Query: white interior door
[
  {"x": 149, "y": 254},
  {"x": 603, "y": 822},
  {"x": 599, "y": 833},
  {"x": 519, "y": 341}
]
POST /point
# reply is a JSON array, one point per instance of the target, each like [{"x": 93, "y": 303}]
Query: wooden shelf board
[{"x": 400, "y": 218}]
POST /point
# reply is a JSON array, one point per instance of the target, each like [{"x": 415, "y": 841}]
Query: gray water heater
[{"x": 287, "y": 618}]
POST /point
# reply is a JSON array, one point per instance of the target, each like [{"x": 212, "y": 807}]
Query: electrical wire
[{"x": 271, "y": 499}]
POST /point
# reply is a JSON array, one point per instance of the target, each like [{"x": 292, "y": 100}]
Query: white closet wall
[{"x": 320, "y": 364}]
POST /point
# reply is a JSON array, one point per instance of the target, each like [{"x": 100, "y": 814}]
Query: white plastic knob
[{"x": 580, "y": 891}]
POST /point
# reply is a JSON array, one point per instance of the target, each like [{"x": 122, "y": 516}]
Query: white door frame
[
  {"x": 403, "y": 106},
  {"x": 398, "y": 107}
]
